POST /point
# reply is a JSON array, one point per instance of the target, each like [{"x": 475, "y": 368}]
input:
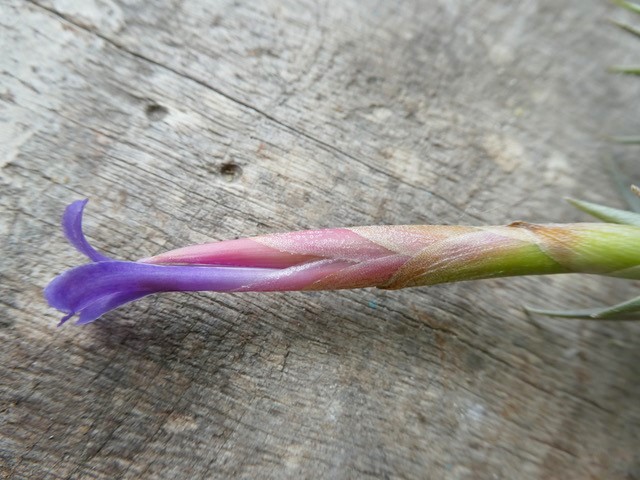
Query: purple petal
[
  {"x": 72, "y": 227},
  {"x": 106, "y": 304},
  {"x": 95, "y": 288}
]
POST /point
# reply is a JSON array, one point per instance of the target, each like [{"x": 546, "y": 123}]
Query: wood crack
[{"x": 248, "y": 106}]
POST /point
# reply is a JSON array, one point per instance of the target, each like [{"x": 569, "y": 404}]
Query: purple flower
[{"x": 95, "y": 288}]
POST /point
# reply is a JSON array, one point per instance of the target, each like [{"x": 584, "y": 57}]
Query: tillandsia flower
[{"x": 388, "y": 257}]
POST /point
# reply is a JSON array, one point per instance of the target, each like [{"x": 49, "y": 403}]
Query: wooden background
[{"x": 195, "y": 120}]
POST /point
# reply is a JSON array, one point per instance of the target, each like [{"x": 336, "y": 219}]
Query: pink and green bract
[{"x": 389, "y": 257}]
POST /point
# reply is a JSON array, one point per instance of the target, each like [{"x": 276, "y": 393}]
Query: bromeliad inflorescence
[{"x": 389, "y": 257}]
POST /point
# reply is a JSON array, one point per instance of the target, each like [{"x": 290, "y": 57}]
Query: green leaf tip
[
  {"x": 607, "y": 214},
  {"x": 626, "y": 139},
  {"x": 631, "y": 6},
  {"x": 628, "y": 310},
  {"x": 626, "y": 70},
  {"x": 627, "y": 28}
]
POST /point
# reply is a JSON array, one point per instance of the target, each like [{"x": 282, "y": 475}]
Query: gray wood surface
[{"x": 191, "y": 121}]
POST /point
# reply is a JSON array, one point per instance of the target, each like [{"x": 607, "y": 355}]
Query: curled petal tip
[{"x": 72, "y": 227}]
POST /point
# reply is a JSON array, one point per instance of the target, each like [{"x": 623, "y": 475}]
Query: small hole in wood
[
  {"x": 230, "y": 171},
  {"x": 156, "y": 112}
]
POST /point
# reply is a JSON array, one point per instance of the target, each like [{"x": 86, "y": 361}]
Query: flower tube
[{"x": 389, "y": 257}]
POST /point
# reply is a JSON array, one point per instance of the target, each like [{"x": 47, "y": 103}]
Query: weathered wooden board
[{"x": 188, "y": 121}]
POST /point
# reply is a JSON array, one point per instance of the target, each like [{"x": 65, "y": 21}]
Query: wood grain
[{"x": 191, "y": 121}]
